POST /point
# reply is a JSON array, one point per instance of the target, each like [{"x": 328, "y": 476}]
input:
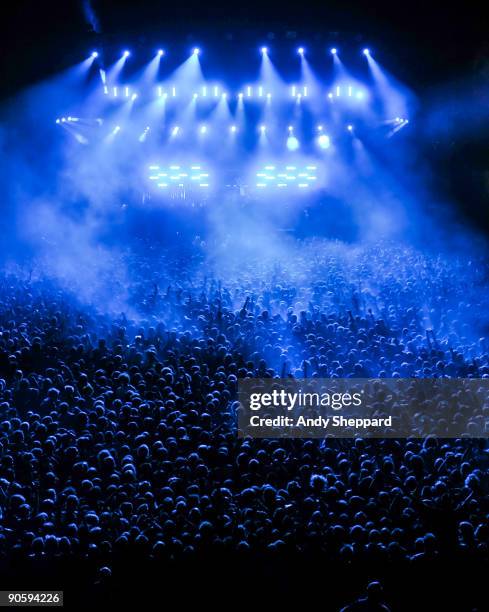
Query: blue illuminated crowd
[{"x": 118, "y": 436}]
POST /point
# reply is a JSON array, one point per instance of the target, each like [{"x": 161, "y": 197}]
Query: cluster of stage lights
[
  {"x": 264, "y": 51},
  {"x": 322, "y": 139},
  {"x": 268, "y": 177},
  {"x": 258, "y": 92},
  {"x": 342, "y": 90},
  {"x": 287, "y": 176},
  {"x": 178, "y": 176}
]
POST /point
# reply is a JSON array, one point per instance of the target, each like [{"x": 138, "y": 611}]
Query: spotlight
[
  {"x": 203, "y": 129},
  {"x": 264, "y": 50},
  {"x": 196, "y": 51},
  {"x": 94, "y": 54},
  {"x": 269, "y": 96},
  {"x": 292, "y": 143},
  {"x": 196, "y": 95},
  {"x": 58, "y": 120},
  {"x": 175, "y": 130},
  {"x": 126, "y": 53},
  {"x": 134, "y": 96},
  {"x": 263, "y": 128},
  {"x": 349, "y": 128},
  {"x": 160, "y": 52},
  {"x": 324, "y": 141},
  {"x": 240, "y": 95},
  {"x": 334, "y": 51},
  {"x": 300, "y": 50},
  {"x": 291, "y": 129},
  {"x": 320, "y": 128},
  {"x": 366, "y": 51},
  {"x": 233, "y": 129}
]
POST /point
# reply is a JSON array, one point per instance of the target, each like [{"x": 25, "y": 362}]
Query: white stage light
[
  {"x": 126, "y": 53},
  {"x": 264, "y": 50},
  {"x": 292, "y": 143},
  {"x": 324, "y": 141},
  {"x": 334, "y": 51},
  {"x": 300, "y": 50},
  {"x": 94, "y": 54},
  {"x": 196, "y": 51},
  {"x": 160, "y": 52}
]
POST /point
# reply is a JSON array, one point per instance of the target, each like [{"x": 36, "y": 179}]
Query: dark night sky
[{"x": 433, "y": 41}]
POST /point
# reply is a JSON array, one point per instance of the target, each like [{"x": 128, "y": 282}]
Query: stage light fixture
[
  {"x": 263, "y": 128},
  {"x": 160, "y": 52},
  {"x": 320, "y": 128},
  {"x": 175, "y": 130},
  {"x": 264, "y": 50},
  {"x": 366, "y": 51},
  {"x": 349, "y": 128},
  {"x": 196, "y": 51},
  {"x": 233, "y": 129},
  {"x": 300, "y": 50},
  {"x": 334, "y": 51},
  {"x": 203, "y": 129},
  {"x": 126, "y": 53},
  {"x": 292, "y": 143},
  {"x": 324, "y": 141},
  {"x": 134, "y": 96},
  {"x": 94, "y": 54}
]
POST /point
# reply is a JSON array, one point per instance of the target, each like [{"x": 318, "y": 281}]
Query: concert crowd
[{"x": 119, "y": 454}]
